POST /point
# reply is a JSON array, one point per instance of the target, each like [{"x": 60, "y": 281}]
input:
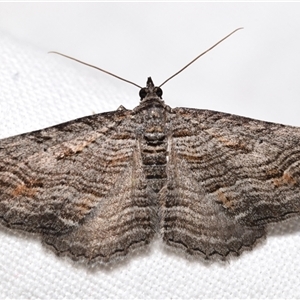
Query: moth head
[{"x": 150, "y": 91}]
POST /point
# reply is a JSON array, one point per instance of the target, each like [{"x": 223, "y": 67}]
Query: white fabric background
[{"x": 255, "y": 73}]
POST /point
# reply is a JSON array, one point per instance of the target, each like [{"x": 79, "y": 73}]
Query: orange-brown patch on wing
[
  {"x": 155, "y": 129},
  {"x": 23, "y": 190},
  {"x": 65, "y": 153},
  {"x": 116, "y": 161},
  {"x": 285, "y": 179},
  {"x": 232, "y": 143},
  {"x": 194, "y": 158},
  {"x": 122, "y": 136},
  {"x": 181, "y": 133},
  {"x": 227, "y": 203},
  {"x": 72, "y": 149},
  {"x": 84, "y": 207}
]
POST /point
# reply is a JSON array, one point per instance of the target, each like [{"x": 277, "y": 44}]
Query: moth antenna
[
  {"x": 220, "y": 41},
  {"x": 89, "y": 65}
]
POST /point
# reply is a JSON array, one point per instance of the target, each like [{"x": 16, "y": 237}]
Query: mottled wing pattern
[
  {"x": 228, "y": 177},
  {"x": 78, "y": 185}
]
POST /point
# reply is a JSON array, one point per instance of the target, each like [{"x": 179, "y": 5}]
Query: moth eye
[
  {"x": 143, "y": 93},
  {"x": 158, "y": 91}
]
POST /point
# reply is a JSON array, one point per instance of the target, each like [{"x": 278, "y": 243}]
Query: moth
[{"x": 99, "y": 187}]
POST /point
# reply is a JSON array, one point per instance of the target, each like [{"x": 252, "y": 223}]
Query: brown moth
[{"x": 99, "y": 187}]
